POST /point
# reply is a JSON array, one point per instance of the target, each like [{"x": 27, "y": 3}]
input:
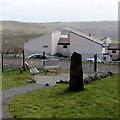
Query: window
[
  {"x": 64, "y": 46},
  {"x": 45, "y": 46},
  {"x": 113, "y": 51}
]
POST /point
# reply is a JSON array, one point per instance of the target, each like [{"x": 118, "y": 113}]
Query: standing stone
[{"x": 76, "y": 73}]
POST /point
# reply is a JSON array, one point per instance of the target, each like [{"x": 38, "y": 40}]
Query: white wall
[
  {"x": 37, "y": 45},
  {"x": 103, "y": 50},
  {"x": 64, "y": 51},
  {"x": 114, "y": 55},
  {"x": 83, "y": 46},
  {"x": 55, "y": 39},
  {"x": 107, "y": 41},
  {"x": 64, "y": 36}
]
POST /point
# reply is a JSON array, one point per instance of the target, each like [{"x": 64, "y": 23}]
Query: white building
[
  {"x": 66, "y": 44},
  {"x": 47, "y": 43},
  {"x": 113, "y": 51}
]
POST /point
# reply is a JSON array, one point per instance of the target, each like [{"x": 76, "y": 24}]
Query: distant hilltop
[{"x": 96, "y": 28}]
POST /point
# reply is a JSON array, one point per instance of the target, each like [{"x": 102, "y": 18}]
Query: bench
[
  {"x": 33, "y": 71},
  {"x": 51, "y": 64}
]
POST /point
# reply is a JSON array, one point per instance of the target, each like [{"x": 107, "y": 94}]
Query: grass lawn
[
  {"x": 14, "y": 79},
  {"x": 99, "y": 100}
]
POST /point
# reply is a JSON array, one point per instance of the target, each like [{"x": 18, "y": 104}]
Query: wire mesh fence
[
  {"x": 11, "y": 61},
  {"x": 35, "y": 59}
]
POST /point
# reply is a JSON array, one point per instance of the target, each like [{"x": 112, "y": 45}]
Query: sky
[{"x": 58, "y": 10}]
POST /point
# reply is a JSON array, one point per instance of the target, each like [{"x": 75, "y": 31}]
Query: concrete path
[{"x": 10, "y": 93}]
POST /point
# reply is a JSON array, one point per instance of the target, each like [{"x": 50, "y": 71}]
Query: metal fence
[
  {"x": 15, "y": 61},
  {"x": 10, "y": 61}
]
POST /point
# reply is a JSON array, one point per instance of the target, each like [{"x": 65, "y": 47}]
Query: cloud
[
  {"x": 56, "y": 2},
  {"x": 50, "y": 10}
]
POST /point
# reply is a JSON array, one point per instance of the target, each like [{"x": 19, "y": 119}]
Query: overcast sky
[{"x": 59, "y": 10}]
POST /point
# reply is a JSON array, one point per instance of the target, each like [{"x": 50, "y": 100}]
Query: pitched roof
[
  {"x": 64, "y": 41},
  {"x": 87, "y": 36},
  {"x": 114, "y": 46}
]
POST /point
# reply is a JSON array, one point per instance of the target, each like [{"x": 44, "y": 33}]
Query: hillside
[
  {"x": 103, "y": 28},
  {"x": 16, "y": 33}
]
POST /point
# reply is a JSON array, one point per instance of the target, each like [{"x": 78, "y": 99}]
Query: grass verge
[
  {"x": 99, "y": 100},
  {"x": 14, "y": 79}
]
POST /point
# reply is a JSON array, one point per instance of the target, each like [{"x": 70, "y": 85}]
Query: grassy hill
[
  {"x": 16, "y": 33},
  {"x": 102, "y": 28}
]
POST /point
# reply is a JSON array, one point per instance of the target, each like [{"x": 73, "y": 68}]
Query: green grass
[
  {"x": 115, "y": 40},
  {"x": 14, "y": 79},
  {"x": 99, "y": 100},
  {"x": 0, "y": 80}
]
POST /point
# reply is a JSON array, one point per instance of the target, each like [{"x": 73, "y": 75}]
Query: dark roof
[
  {"x": 89, "y": 37},
  {"x": 63, "y": 41},
  {"x": 114, "y": 46}
]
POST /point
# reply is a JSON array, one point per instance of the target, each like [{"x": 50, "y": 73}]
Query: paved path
[
  {"x": 10, "y": 93},
  {"x": 41, "y": 80}
]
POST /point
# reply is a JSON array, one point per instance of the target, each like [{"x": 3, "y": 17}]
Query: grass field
[
  {"x": 99, "y": 100},
  {"x": 14, "y": 79}
]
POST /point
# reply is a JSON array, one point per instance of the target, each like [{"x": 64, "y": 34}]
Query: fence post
[
  {"x": 95, "y": 64},
  {"x": 2, "y": 61},
  {"x": 23, "y": 59}
]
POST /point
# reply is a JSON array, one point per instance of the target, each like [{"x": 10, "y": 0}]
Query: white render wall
[
  {"x": 55, "y": 39},
  {"x": 83, "y": 46},
  {"x": 114, "y": 55},
  {"x": 37, "y": 45},
  {"x": 63, "y": 51}
]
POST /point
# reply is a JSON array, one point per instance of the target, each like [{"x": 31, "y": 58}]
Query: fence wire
[
  {"x": 15, "y": 61},
  {"x": 11, "y": 61}
]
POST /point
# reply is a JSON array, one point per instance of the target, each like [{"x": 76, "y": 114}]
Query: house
[
  {"x": 67, "y": 43},
  {"x": 114, "y": 51},
  {"x": 87, "y": 44}
]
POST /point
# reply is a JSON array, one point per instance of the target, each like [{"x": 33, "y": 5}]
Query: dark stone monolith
[{"x": 76, "y": 73}]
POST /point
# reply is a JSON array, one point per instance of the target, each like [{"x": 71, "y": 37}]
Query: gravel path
[{"x": 53, "y": 78}]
